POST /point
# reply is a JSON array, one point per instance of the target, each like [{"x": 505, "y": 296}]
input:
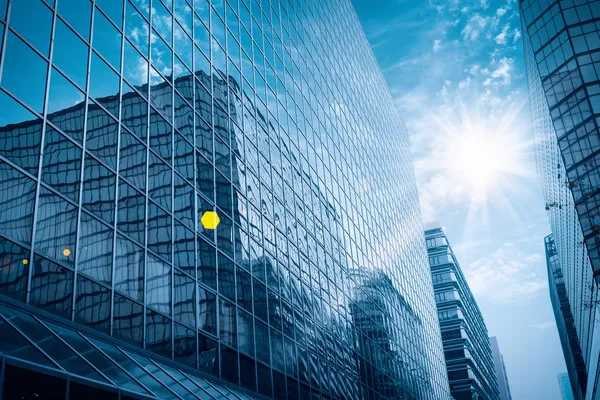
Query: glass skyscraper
[
  {"x": 500, "y": 369},
  {"x": 467, "y": 349},
  {"x": 123, "y": 122},
  {"x": 562, "y": 55},
  {"x": 565, "y": 386}
]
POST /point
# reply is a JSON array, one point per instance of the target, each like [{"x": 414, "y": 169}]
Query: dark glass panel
[
  {"x": 207, "y": 354},
  {"x": 184, "y": 299},
  {"x": 20, "y": 134},
  {"x": 128, "y": 320},
  {"x": 14, "y": 344},
  {"x": 244, "y": 289},
  {"x": 131, "y": 215},
  {"x": 159, "y": 231},
  {"x": 184, "y": 114},
  {"x": 184, "y": 202},
  {"x": 158, "y": 333},
  {"x": 102, "y": 135},
  {"x": 226, "y": 277},
  {"x": 92, "y": 305},
  {"x": 184, "y": 248},
  {"x": 17, "y": 197},
  {"x": 61, "y": 165},
  {"x": 264, "y": 380},
  {"x": 20, "y": 383},
  {"x": 95, "y": 249},
  {"x": 207, "y": 264},
  {"x": 184, "y": 158},
  {"x": 247, "y": 372},
  {"x": 134, "y": 112},
  {"x": 14, "y": 269},
  {"x": 263, "y": 348},
  {"x": 207, "y": 311},
  {"x": 229, "y": 364},
  {"x": 159, "y": 181},
  {"x": 52, "y": 287},
  {"x": 158, "y": 285},
  {"x": 184, "y": 344},
  {"x": 160, "y": 135},
  {"x": 133, "y": 160},
  {"x": 24, "y": 71},
  {"x": 245, "y": 333},
  {"x": 129, "y": 269},
  {"x": 56, "y": 228},
  {"x": 99, "y": 190},
  {"x": 79, "y": 391},
  {"x": 227, "y": 323}
]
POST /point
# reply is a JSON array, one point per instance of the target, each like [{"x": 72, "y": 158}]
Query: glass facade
[
  {"x": 562, "y": 55},
  {"x": 565, "y": 386},
  {"x": 565, "y": 321},
  {"x": 467, "y": 349},
  {"x": 500, "y": 368},
  {"x": 124, "y": 121}
]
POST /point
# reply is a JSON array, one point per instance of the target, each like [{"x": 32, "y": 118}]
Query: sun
[{"x": 483, "y": 160}]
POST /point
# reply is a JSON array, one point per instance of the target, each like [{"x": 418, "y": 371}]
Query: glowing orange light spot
[{"x": 66, "y": 252}]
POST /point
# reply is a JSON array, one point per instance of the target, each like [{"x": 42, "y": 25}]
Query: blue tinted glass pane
[
  {"x": 61, "y": 167},
  {"x": 70, "y": 53},
  {"x": 158, "y": 292},
  {"x": 3, "y": 8},
  {"x": 33, "y": 20},
  {"x": 14, "y": 344},
  {"x": 114, "y": 10},
  {"x": 78, "y": 14},
  {"x": 92, "y": 305},
  {"x": 158, "y": 335},
  {"x": 99, "y": 190},
  {"x": 184, "y": 349},
  {"x": 17, "y": 196},
  {"x": 159, "y": 231},
  {"x": 107, "y": 40},
  {"x": 15, "y": 268},
  {"x": 66, "y": 106},
  {"x": 133, "y": 160},
  {"x": 95, "y": 249},
  {"x": 128, "y": 320},
  {"x": 104, "y": 81},
  {"x": 129, "y": 269},
  {"x": 20, "y": 134},
  {"x": 135, "y": 68},
  {"x": 24, "y": 73},
  {"x": 184, "y": 299},
  {"x": 102, "y": 135},
  {"x": 131, "y": 215},
  {"x": 159, "y": 182},
  {"x": 137, "y": 29},
  {"x": 56, "y": 228},
  {"x": 52, "y": 287}
]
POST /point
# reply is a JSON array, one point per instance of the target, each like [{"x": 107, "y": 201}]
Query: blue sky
[{"x": 456, "y": 70}]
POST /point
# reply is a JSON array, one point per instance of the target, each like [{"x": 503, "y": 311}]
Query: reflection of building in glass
[
  {"x": 562, "y": 56},
  {"x": 467, "y": 348},
  {"x": 110, "y": 153},
  {"x": 500, "y": 368},
  {"x": 565, "y": 386},
  {"x": 565, "y": 321}
]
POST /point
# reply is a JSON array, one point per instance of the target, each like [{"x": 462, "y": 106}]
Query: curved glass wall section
[{"x": 123, "y": 122}]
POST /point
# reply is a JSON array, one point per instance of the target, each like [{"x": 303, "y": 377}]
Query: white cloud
[
  {"x": 501, "y": 11},
  {"x": 501, "y": 37},
  {"x": 516, "y": 35},
  {"x": 474, "y": 27},
  {"x": 437, "y": 44},
  {"x": 484, "y": 3},
  {"x": 542, "y": 326},
  {"x": 501, "y": 75},
  {"x": 506, "y": 276}
]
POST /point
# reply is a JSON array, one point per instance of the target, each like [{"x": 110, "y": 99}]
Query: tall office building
[
  {"x": 562, "y": 55},
  {"x": 467, "y": 349},
  {"x": 123, "y": 122},
  {"x": 500, "y": 368},
  {"x": 564, "y": 385}
]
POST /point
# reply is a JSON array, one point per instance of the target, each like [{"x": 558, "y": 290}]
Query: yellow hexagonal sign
[{"x": 210, "y": 220}]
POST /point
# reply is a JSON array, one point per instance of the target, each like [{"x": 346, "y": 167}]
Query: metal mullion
[
  {"x": 41, "y": 156},
  {"x": 2, "y": 55},
  {"x": 118, "y": 366},
  {"x": 75, "y": 351},
  {"x": 195, "y": 179},
  {"x": 187, "y": 375},
  {"x": 149, "y": 111},
  {"x": 82, "y": 167},
  {"x": 117, "y": 166},
  {"x": 171, "y": 211}
]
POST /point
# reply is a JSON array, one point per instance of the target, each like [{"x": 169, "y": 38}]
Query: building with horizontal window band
[
  {"x": 123, "y": 122},
  {"x": 500, "y": 369},
  {"x": 562, "y": 55},
  {"x": 467, "y": 349}
]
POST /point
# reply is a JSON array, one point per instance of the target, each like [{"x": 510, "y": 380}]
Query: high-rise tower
[{"x": 123, "y": 122}]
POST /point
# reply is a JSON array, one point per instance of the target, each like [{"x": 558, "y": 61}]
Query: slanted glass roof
[{"x": 34, "y": 340}]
